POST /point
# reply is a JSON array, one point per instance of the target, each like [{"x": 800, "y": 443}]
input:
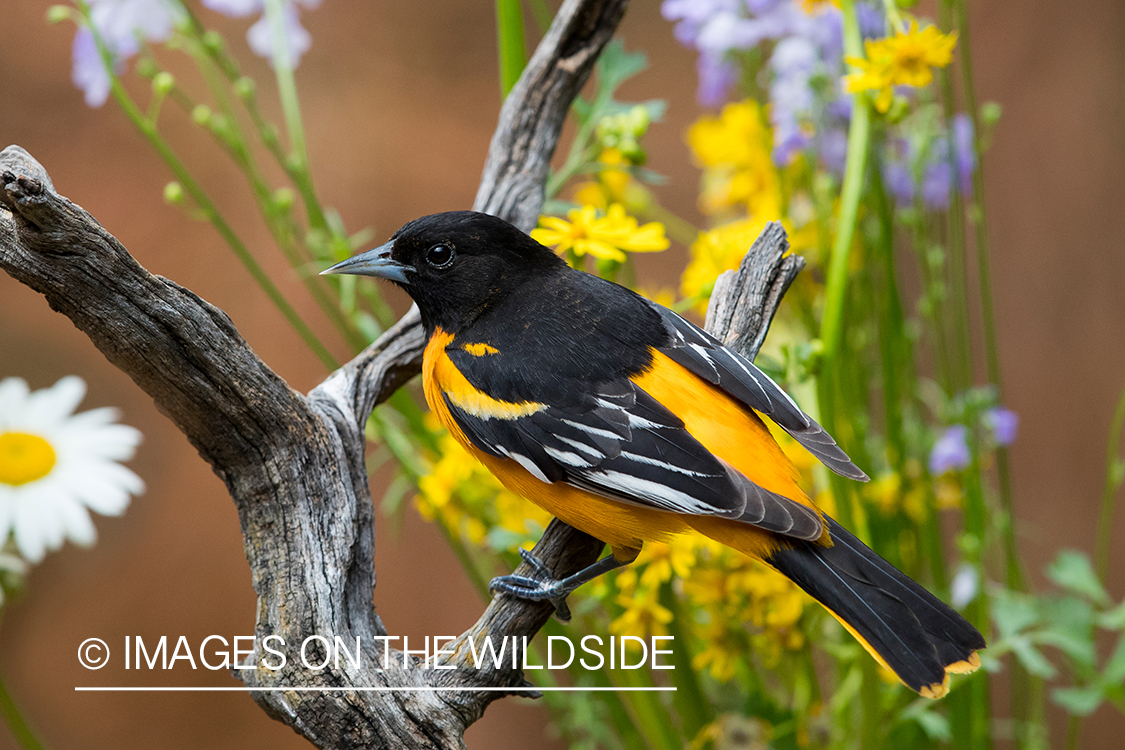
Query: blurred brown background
[{"x": 400, "y": 100}]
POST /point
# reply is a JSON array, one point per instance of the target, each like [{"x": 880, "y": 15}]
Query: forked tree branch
[{"x": 294, "y": 464}]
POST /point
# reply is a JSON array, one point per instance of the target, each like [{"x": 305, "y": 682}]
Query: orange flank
[
  {"x": 732, "y": 432},
  {"x": 737, "y": 435},
  {"x": 725, "y": 427}
]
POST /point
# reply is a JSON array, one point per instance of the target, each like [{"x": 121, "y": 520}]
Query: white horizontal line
[{"x": 368, "y": 689}]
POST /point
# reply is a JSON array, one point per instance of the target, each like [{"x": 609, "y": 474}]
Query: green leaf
[
  {"x": 1081, "y": 701},
  {"x": 1031, "y": 659},
  {"x": 1072, "y": 571},
  {"x": 933, "y": 724},
  {"x": 513, "y": 51},
  {"x": 1077, "y": 648},
  {"x": 1114, "y": 673},
  {"x": 1114, "y": 619},
  {"x": 1013, "y": 613},
  {"x": 617, "y": 66}
]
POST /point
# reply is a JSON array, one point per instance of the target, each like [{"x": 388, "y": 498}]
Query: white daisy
[{"x": 54, "y": 465}]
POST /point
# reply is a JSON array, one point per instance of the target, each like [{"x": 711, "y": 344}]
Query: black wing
[
  {"x": 703, "y": 354},
  {"x": 622, "y": 444}
]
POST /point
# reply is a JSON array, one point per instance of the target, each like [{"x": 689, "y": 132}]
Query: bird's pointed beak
[{"x": 375, "y": 262}]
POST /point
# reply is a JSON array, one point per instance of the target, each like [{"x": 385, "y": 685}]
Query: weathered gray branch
[{"x": 294, "y": 465}]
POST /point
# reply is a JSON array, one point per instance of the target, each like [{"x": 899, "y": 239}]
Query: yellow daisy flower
[
  {"x": 606, "y": 237},
  {"x": 905, "y": 59}
]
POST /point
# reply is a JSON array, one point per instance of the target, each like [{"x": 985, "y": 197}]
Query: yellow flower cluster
[
  {"x": 734, "y": 150},
  {"x": 723, "y": 248},
  {"x": 752, "y": 609},
  {"x": 470, "y": 501},
  {"x": 640, "y": 584},
  {"x": 749, "y": 607},
  {"x": 904, "y": 59},
  {"x": 606, "y": 237},
  {"x": 613, "y": 183}
]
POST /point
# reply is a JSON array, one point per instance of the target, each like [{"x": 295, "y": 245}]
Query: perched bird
[{"x": 632, "y": 424}]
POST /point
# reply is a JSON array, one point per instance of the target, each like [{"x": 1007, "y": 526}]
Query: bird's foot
[{"x": 538, "y": 587}]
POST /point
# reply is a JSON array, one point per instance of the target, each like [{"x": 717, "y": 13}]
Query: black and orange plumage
[{"x": 632, "y": 424}]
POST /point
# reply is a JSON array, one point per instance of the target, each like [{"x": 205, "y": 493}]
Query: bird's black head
[{"x": 455, "y": 265}]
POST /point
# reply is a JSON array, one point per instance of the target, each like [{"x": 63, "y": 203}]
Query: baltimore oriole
[{"x": 632, "y": 424}]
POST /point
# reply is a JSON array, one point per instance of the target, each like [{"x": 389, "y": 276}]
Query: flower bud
[
  {"x": 173, "y": 193},
  {"x": 163, "y": 83},
  {"x": 244, "y": 88},
  {"x": 213, "y": 41},
  {"x": 283, "y": 199},
  {"x": 57, "y": 13},
  {"x": 147, "y": 67},
  {"x": 201, "y": 115}
]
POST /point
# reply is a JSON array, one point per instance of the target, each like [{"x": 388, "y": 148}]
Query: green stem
[
  {"x": 266, "y": 131},
  {"x": 832, "y": 324},
  {"x": 1109, "y": 493},
  {"x": 1073, "y": 730},
  {"x": 278, "y": 223},
  {"x": 291, "y": 110},
  {"x": 148, "y": 129},
  {"x": 20, "y": 729},
  {"x": 651, "y": 718},
  {"x": 512, "y": 49},
  {"x": 955, "y": 217},
  {"x": 976, "y": 520},
  {"x": 691, "y": 702},
  {"x": 892, "y": 335}
]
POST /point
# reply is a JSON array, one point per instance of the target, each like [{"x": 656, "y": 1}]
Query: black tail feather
[{"x": 919, "y": 637}]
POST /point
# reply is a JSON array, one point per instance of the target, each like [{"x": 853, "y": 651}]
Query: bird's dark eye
[{"x": 440, "y": 256}]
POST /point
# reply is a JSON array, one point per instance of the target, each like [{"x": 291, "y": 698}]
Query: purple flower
[
  {"x": 964, "y": 150},
  {"x": 716, "y": 78},
  {"x": 898, "y": 177},
  {"x": 260, "y": 35},
  {"x": 793, "y": 62},
  {"x": 937, "y": 177},
  {"x": 716, "y": 27},
  {"x": 691, "y": 15},
  {"x": 951, "y": 451},
  {"x": 930, "y": 170},
  {"x": 872, "y": 25},
  {"x": 121, "y": 25},
  {"x": 88, "y": 70},
  {"x": 1004, "y": 424},
  {"x": 833, "y": 148}
]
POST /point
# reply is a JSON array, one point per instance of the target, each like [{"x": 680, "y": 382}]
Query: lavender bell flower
[
  {"x": 964, "y": 149},
  {"x": 260, "y": 35},
  {"x": 717, "y": 76},
  {"x": 951, "y": 451},
  {"x": 88, "y": 71},
  {"x": 937, "y": 178},
  {"x": 793, "y": 62},
  {"x": 715, "y": 27},
  {"x": 1004, "y": 424},
  {"x": 872, "y": 24},
  {"x": 120, "y": 24},
  {"x": 898, "y": 178}
]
